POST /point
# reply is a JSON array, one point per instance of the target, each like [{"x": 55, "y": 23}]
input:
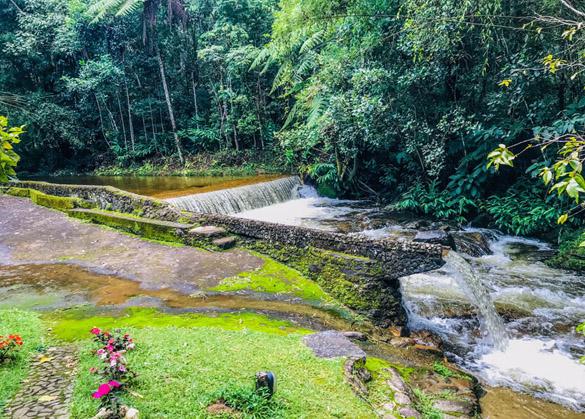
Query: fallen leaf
[
  {"x": 47, "y": 398},
  {"x": 45, "y": 359},
  {"x": 135, "y": 394}
]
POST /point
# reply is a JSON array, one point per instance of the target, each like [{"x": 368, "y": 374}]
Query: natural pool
[{"x": 161, "y": 186}]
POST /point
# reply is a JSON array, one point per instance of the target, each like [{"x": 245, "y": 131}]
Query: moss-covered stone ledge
[
  {"x": 109, "y": 198},
  {"x": 399, "y": 258}
]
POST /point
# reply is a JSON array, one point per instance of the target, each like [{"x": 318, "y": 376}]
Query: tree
[
  {"x": 176, "y": 8},
  {"x": 8, "y": 157}
]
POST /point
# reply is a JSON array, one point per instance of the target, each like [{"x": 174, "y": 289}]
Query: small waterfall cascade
[
  {"x": 480, "y": 298},
  {"x": 243, "y": 198}
]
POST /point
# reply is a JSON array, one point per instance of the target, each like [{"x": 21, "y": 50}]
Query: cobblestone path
[{"x": 48, "y": 387}]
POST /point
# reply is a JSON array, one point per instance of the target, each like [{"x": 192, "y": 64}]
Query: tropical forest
[{"x": 292, "y": 209}]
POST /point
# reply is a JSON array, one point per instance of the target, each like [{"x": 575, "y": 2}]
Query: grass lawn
[
  {"x": 30, "y": 328},
  {"x": 184, "y": 369}
]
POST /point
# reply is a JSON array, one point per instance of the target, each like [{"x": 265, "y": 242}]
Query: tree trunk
[
  {"x": 194, "y": 86},
  {"x": 122, "y": 119},
  {"x": 130, "y": 124},
  {"x": 102, "y": 120},
  {"x": 161, "y": 68}
]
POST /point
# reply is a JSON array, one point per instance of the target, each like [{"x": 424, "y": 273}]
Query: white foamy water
[
  {"x": 544, "y": 305},
  {"x": 536, "y": 366}
]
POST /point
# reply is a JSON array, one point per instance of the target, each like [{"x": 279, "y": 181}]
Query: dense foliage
[{"x": 396, "y": 99}]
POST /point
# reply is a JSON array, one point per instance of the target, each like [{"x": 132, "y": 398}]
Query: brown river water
[{"x": 162, "y": 187}]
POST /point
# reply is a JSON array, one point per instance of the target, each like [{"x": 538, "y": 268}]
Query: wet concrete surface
[{"x": 31, "y": 234}]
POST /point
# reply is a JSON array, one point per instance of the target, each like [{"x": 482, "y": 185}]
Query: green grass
[
  {"x": 30, "y": 328},
  {"x": 183, "y": 370},
  {"x": 71, "y": 325},
  {"x": 275, "y": 278}
]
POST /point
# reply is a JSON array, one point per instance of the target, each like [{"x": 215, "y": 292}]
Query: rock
[
  {"x": 389, "y": 407},
  {"x": 397, "y": 330},
  {"x": 432, "y": 349},
  {"x": 412, "y": 225},
  {"x": 331, "y": 344},
  {"x": 355, "y": 335},
  {"x": 435, "y": 237},
  {"x": 225, "y": 242},
  {"x": 472, "y": 243},
  {"x": 396, "y": 383},
  {"x": 408, "y": 412},
  {"x": 400, "y": 342},
  {"x": 454, "y": 406},
  {"x": 207, "y": 232},
  {"x": 401, "y": 398},
  {"x": 356, "y": 375},
  {"x": 425, "y": 337},
  {"x": 132, "y": 414},
  {"x": 103, "y": 413}
]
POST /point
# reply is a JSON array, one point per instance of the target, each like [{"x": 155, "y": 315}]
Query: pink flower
[
  {"x": 114, "y": 384},
  {"x": 113, "y": 363},
  {"x": 102, "y": 391},
  {"x": 100, "y": 351},
  {"x": 122, "y": 368},
  {"x": 107, "y": 334},
  {"x": 130, "y": 341},
  {"x": 92, "y": 369},
  {"x": 126, "y": 336},
  {"x": 95, "y": 331},
  {"x": 111, "y": 341},
  {"x": 109, "y": 348}
]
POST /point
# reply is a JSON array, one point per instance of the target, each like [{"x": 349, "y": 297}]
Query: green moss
[
  {"x": 345, "y": 277},
  {"x": 72, "y": 325},
  {"x": 142, "y": 227},
  {"x": 273, "y": 277},
  {"x": 445, "y": 372},
  {"x": 375, "y": 365},
  {"x": 571, "y": 254},
  {"x": 21, "y": 192},
  {"x": 59, "y": 203}
]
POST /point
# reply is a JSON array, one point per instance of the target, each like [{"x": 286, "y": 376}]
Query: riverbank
[{"x": 228, "y": 163}]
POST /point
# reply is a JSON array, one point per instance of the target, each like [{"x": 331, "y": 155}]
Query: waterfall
[
  {"x": 480, "y": 298},
  {"x": 243, "y": 198}
]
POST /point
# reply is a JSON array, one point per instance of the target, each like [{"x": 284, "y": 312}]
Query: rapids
[{"x": 541, "y": 306}]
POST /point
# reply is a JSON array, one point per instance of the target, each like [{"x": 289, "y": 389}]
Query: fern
[{"x": 314, "y": 40}]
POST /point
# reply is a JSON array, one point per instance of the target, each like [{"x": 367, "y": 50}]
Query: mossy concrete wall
[
  {"x": 109, "y": 198},
  {"x": 361, "y": 272}
]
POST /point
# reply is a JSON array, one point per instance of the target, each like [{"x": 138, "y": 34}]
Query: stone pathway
[{"x": 47, "y": 390}]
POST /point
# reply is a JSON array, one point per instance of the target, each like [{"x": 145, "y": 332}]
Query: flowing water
[
  {"x": 535, "y": 350},
  {"x": 243, "y": 198}
]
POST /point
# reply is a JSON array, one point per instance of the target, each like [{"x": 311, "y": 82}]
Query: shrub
[{"x": 9, "y": 344}]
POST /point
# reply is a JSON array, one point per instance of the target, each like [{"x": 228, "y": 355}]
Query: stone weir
[{"x": 360, "y": 272}]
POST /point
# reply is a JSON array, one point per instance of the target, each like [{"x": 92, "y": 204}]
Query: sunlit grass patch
[{"x": 183, "y": 370}]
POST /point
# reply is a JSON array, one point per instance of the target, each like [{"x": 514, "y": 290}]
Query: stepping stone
[
  {"x": 225, "y": 242},
  {"x": 332, "y": 344},
  {"x": 207, "y": 232}
]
